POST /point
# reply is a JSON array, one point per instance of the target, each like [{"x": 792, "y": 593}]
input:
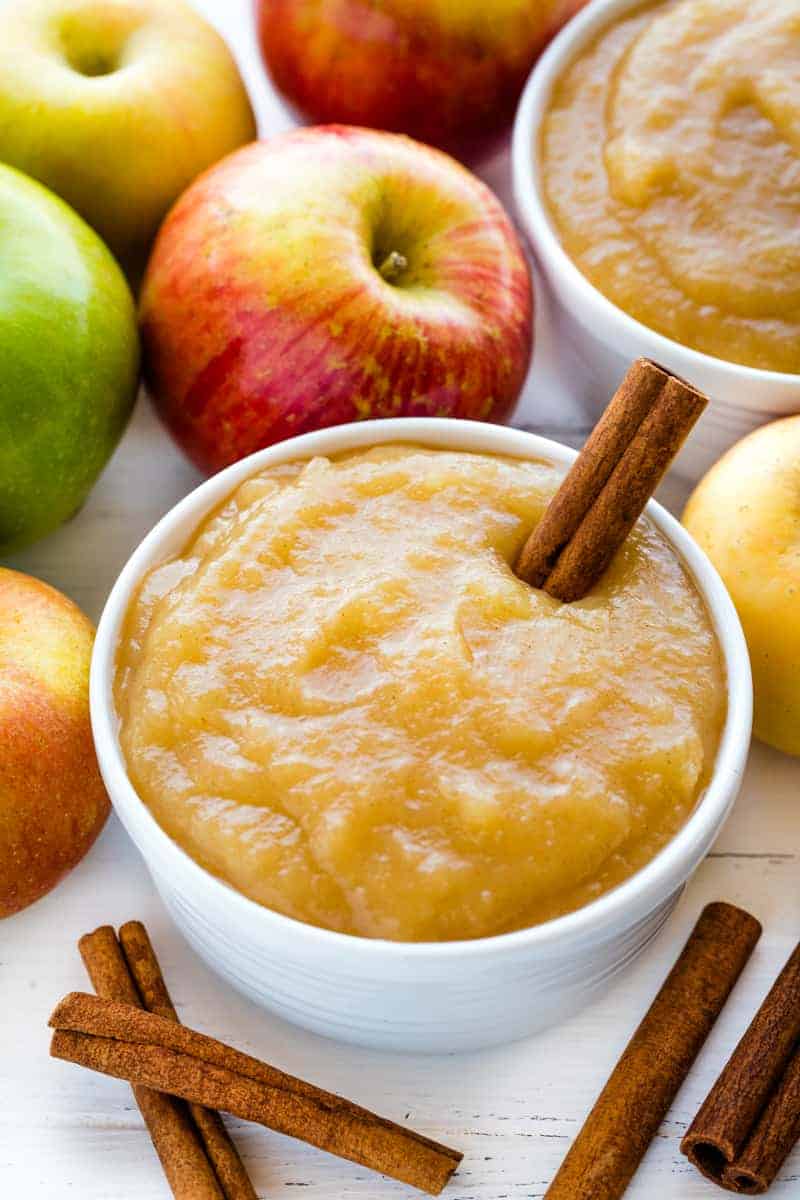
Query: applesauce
[
  {"x": 670, "y": 158},
  {"x": 341, "y": 700}
]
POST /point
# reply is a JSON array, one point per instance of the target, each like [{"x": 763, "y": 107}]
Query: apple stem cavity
[{"x": 393, "y": 266}]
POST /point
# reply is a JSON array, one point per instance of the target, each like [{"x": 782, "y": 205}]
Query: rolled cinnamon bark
[
  {"x": 751, "y": 1117},
  {"x": 147, "y": 1049},
  {"x": 183, "y": 1158},
  {"x": 151, "y": 985},
  {"x": 777, "y": 1131},
  {"x": 629, "y": 1110},
  {"x": 610, "y": 482}
]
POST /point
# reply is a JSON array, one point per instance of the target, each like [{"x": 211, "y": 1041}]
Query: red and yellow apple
[
  {"x": 448, "y": 72},
  {"x": 329, "y": 275},
  {"x": 746, "y": 516},
  {"x": 116, "y": 105},
  {"x": 52, "y": 800}
]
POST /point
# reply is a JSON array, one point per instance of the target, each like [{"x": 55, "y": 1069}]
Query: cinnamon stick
[
  {"x": 768, "y": 1146},
  {"x": 635, "y": 1100},
  {"x": 751, "y": 1117},
  {"x": 185, "y": 1163},
  {"x": 607, "y": 489},
  {"x": 151, "y": 985},
  {"x": 143, "y": 1048}
]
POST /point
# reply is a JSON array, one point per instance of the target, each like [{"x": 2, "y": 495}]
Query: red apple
[
  {"x": 52, "y": 800},
  {"x": 332, "y": 274},
  {"x": 445, "y": 71}
]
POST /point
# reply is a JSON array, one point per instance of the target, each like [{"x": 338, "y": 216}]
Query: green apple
[
  {"x": 68, "y": 359},
  {"x": 116, "y": 105}
]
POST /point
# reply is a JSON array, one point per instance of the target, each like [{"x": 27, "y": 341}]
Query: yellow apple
[
  {"x": 746, "y": 516},
  {"x": 52, "y": 800},
  {"x": 116, "y": 105}
]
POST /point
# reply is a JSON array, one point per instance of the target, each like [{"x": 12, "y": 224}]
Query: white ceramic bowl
[
  {"x": 432, "y": 996},
  {"x": 603, "y": 338}
]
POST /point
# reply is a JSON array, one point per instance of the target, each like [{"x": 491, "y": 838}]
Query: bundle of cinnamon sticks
[
  {"x": 750, "y": 1121},
  {"x": 739, "y": 1139},
  {"x": 180, "y": 1078}
]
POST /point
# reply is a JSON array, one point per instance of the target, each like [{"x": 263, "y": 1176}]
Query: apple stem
[{"x": 393, "y": 265}]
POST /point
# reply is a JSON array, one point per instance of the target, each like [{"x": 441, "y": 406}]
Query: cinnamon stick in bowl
[{"x": 624, "y": 460}]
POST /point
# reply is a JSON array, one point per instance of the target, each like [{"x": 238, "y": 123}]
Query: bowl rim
[
  {"x": 534, "y": 212},
  {"x": 623, "y": 905}
]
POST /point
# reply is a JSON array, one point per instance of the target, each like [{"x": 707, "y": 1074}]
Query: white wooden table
[{"x": 513, "y": 1111}]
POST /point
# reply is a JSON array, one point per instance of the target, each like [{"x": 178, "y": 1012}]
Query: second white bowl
[
  {"x": 603, "y": 338},
  {"x": 432, "y": 996}
]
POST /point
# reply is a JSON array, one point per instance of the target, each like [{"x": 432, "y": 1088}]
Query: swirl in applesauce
[
  {"x": 671, "y": 163},
  {"x": 340, "y": 699}
]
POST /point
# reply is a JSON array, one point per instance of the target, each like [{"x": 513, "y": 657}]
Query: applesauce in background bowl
[
  {"x": 657, "y": 173},
  {"x": 324, "y": 670}
]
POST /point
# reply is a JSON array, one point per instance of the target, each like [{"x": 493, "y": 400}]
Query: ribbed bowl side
[{"x": 489, "y": 1005}]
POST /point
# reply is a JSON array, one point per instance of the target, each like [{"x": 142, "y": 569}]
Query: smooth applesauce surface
[
  {"x": 671, "y": 166},
  {"x": 341, "y": 700}
]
